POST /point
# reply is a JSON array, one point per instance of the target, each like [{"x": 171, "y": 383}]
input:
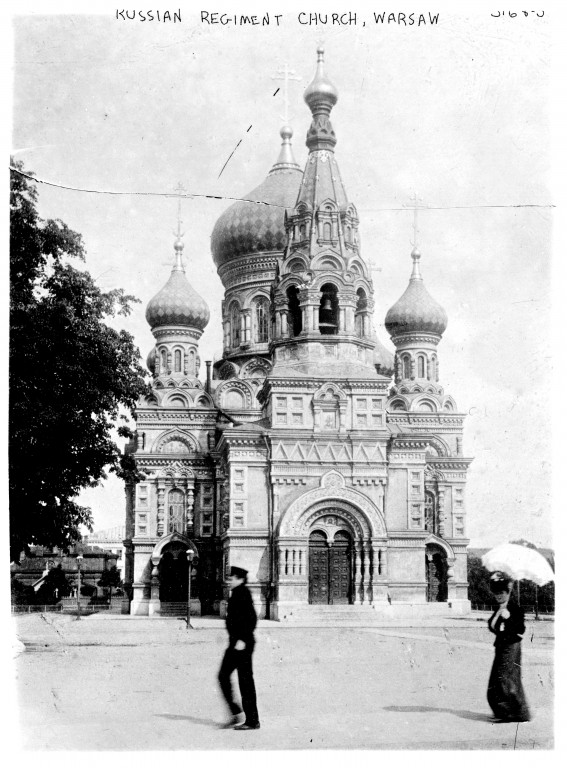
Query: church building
[{"x": 329, "y": 468}]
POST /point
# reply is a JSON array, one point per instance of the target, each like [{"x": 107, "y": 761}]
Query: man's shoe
[
  {"x": 247, "y": 727},
  {"x": 234, "y": 721}
]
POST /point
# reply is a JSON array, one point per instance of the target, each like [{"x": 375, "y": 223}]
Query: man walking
[{"x": 240, "y": 623}]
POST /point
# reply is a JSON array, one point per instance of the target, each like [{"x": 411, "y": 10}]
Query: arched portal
[
  {"x": 330, "y": 568},
  {"x": 173, "y": 573},
  {"x": 436, "y": 573}
]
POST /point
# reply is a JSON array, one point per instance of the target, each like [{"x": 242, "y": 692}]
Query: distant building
[
  {"x": 327, "y": 466},
  {"x": 111, "y": 540},
  {"x": 33, "y": 568}
]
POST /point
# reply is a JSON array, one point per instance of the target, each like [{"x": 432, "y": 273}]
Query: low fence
[
  {"x": 69, "y": 605},
  {"x": 526, "y": 608}
]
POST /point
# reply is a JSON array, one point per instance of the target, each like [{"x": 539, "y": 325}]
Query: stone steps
[{"x": 361, "y": 615}]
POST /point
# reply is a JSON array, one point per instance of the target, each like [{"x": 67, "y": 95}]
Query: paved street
[{"x": 121, "y": 683}]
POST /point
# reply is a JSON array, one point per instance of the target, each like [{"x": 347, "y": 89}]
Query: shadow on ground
[
  {"x": 463, "y": 713},
  {"x": 191, "y": 719}
]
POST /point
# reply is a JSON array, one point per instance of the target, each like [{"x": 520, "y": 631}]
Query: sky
[{"x": 459, "y": 112}]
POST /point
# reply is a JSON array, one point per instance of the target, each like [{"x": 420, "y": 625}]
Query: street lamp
[
  {"x": 190, "y": 556},
  {"x": 79, "y": 560}
]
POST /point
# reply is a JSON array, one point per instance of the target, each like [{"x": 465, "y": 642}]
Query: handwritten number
[{"x": 513, "y": 14}]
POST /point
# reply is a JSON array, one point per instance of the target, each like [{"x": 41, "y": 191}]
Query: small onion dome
[
  {"x": 247, "y": 227},
  {"x": 416, "y": 311},
  {"x": 321, "y": 90},
  {"x": 177, "y": 303},
  {"x": 151, "y": 360}
]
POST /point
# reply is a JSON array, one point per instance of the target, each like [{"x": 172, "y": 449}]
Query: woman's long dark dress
[{"x": 505, "y": 691}]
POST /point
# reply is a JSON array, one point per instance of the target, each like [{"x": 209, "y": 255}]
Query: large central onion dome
[
  {"x": 178, "y": 303},
  {"x": 416, "y": 311},
  {"x": 248, "y": 227}
]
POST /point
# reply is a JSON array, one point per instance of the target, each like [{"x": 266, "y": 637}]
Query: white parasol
[{"x": 519, "y": 562}]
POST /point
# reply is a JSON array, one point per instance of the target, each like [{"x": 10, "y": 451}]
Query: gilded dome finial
[
  {"x": 416, "y": 256},
  {"x": 321, "y": 95},
  {"x": 285, "y": 157}
]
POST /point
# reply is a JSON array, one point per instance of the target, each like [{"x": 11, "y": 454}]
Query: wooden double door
[{"x": 330, "y": 569}]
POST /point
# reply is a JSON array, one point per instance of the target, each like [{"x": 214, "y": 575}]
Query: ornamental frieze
[
  {"x": 203, "y": 415},
  {"x": 167, "y": 331}
]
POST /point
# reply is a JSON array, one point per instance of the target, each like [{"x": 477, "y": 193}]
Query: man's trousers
[{"x": 242, "y": 662}]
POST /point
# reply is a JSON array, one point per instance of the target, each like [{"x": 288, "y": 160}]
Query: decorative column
[
  {"x": 451, "y": 586},
  {"x": 160, "y": 506},
  {"x": 368, "y": 573},
  {"x": 384, "y": 563},
  {"x": 281, "y": 563},
  {"x": 378, "y": 578},
  {"x": 154, "y": 604},
  {"x": 189, "y": 511},
  {"x": 357, "y": 575},
  {"x": 441, "y": 511},
  {"x": 283, "y": 321}
]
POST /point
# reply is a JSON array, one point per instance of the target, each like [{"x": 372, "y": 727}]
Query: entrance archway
[
  {"x": 330, "y": 568},
  {"x": 436, "y": 573},
  {"x": 173, "y": 573}
]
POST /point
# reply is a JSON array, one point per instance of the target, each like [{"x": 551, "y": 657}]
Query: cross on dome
[{"x": 287, "y": 75}]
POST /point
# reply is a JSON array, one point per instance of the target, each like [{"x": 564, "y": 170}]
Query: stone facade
[{"x": 299, "y": 459}]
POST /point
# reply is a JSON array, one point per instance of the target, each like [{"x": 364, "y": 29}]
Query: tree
[
  {"x": 22, "y": 594},
  {"x": 479, "y": 582},
  {"x": 73, "y": 378},
  {"x": 110, "y": 578},
  {"x": 54, "y": 587}
]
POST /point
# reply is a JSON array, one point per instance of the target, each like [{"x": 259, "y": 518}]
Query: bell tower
[{"x": 323, "y": 294}]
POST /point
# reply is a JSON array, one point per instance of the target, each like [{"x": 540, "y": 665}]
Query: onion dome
[
  {"x": 320, "y": 90},
  {"x": 321, "y": 96},
  {"x": 247, "y": 227},
  {"x": 416, "y": 311},
  {"x": 151, "y": 360},
  {"x": 177, "y": 303}
]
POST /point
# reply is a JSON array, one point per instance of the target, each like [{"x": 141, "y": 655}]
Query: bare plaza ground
[{"x": 121, "y": 683}]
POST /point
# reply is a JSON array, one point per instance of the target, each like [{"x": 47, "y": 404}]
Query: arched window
[
  {"x": 302, "y": 232},
  {"x": 430, "y": 512},
  {"x": 235, "y": 325},
  {"x": 176, "y": 511},
  {"x": 294, "y": 309},
  {"x": 326, "y": 231},
  {"x": 329, "y": 310},
  {"x": 262, "y": 320},
  {"x": 177, "y": 361},
  {"x": 361, "y": 306},
  {"x": 234, "y": 399},
  {"x": 420, "y": 367},
  {"x": 163, "y": 360},
  {"x": 406, "y": 367},
  {"x": 348, "y": 234}
]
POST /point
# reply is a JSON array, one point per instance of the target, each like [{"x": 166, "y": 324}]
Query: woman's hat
[{"x": 500, "y": 582}]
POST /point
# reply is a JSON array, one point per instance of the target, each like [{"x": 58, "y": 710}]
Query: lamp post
[
  {"x": 79, "y": 560},
  {"x": 190, "y": 556}
]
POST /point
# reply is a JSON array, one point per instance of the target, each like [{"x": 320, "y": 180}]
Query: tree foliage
[
  {"x": 110, "y": 578},
  {"x": 55, "y": 586},
  {"x": 71, "y": 376}
]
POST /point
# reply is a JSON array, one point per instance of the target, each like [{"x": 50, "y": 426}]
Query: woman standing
[{"x": 505, "y": 691}]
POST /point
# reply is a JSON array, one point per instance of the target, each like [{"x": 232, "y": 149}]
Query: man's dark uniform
[{"x": 240, "y": 622}]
